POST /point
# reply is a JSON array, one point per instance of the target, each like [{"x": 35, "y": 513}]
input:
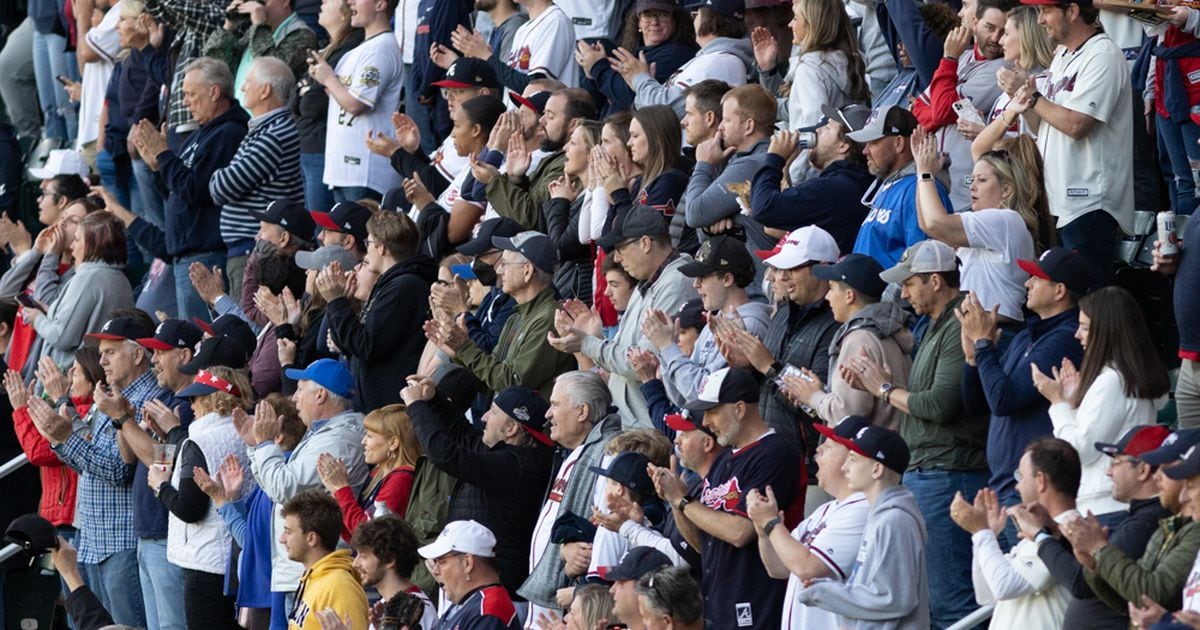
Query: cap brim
[
  {"x": 863, "y": 136},
  {"x": 825, "y": 272},
  {"x": 522, "y": 101},
  {"x": 203, "y": 325},
  {"x": 1185, "y": 470},
  {"x": 436, "y": 549},
  {"x": 700, "y": 405},
  {"x": 696, "y": 270},
  {"x": 324, "y": 220},
  {"x": 609, "y": 241},
  {"x": 831, "y": 434},
  {"x": 1160, "y": 456},
  {"x": 786, "y": 260},
  {"x": 297, "y": 375},
  {"x": 453, "y": 85},
  {"x": 1031, "y": 267},
  {"x": 106, "y": 337},
  {"x": 261, "y": 215},
  {"x": 155, "y": 344},
  {"x": 195, "y": 389},
  {"x": 1108, "y": 449},
  {"x": 764, "y": 254},
  {"x": 41, "y": 173},
  {"x": 679, "y": 423},
  {"x": 539, "y": 436},
  {"x": 896, "y": 275}
]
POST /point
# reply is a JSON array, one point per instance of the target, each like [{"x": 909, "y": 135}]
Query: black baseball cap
[
  {"x": 875, "y": 442},
  {"x": 845, "y": 429},
  {"x": 727, "y": 385},
  {"x": 1137, "y": 441},
  {"x": 224, "y": 351},
  {"x": 33, "y": 533},
  {"x": 348, "y": 217},
  {"x": 635, "y": 563},
  {"x": 121, "y": 328},
  {"x": 735, "y": 9},
  {"x": 853, "y": 117},
  {"x": 289, "y": 215},
  {"x": 722, "y": 254},
  {"x": 457, "y": 385},
  {"x": 640, "y": 221},
  {"x": 536, "y": 101},
  {"x": 691, "y": 314},
  {"x": 535, "y": 246},
  {"x": 1173, "y": 447},
  {"x": 482, "y": 242},
  {"x": 172, "y": 334},
  {"x": 230, "y": 325},
  {"x": 893, "y": 121},
  {"x": 629, "y": 470},
  {"x": 526, "y": 407},
  {"x": 859, "y": 271},
  {"x": 683, "y": 422},
  {"x": 1066, "y": 266},
  {"x": 469, "y": 72}
]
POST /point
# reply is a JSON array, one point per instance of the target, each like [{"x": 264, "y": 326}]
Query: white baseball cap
[
  {"x": 807, "y": 244},
  {"x": 462, "y": 537},
  {"x": 61, "y": 162}
]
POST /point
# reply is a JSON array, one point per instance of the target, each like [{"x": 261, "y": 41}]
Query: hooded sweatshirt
[
  {"x": 723, "y": 58},
  {"x": 879, "y": 330},
  {"x": 384, "y": 342},
  {"x": 330, "y": 583},
  {"x": 889, "y": 586}
]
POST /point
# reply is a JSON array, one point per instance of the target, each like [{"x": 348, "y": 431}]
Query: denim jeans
[
  {"x": 115, "y": 582},
  {"x": 354, "y": 193},
  {"x": 948, "y": 546},
  {"x": 50, "y": 60},
  {"x": 152, "y": 198},
  {"x": 162, "y": 586},
  {"x": 187, "y": 300},
  {"x": 1179, "y": 156},
  {"x": 1095, "y": 236},
  {"x": 18, "y": 81},
  {"x": 317, "y": 195}
]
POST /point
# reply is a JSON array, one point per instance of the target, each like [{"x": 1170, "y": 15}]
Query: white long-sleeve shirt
[{"x": 1020, "y": 585}]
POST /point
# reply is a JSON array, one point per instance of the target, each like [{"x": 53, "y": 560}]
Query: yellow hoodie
[{"x": 330, "y": 583}]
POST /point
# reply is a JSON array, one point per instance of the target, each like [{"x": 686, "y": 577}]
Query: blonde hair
[
  {"x": 649, "y": 442},
  {"x": 392, "y": 421},
  {"x": 595, "y": 605},
  {"x": 223, "y": 403},
  {"x": 1037, "y": 51},
  {"x": 1018, "y": 164},
  {"x": 830, "y": 28}
]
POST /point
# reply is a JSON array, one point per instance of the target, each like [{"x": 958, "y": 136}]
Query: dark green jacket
[
  {"x": 521, "y": 200},
  {"x": 1159, "y": 574}
]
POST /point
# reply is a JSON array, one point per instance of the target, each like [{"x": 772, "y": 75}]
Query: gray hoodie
[
  {"x": 649, "y": 92},
  {"x": 888, "y": 587},
  {"x": 709, "y": 199},
  {"x": 682, "y": 375}
]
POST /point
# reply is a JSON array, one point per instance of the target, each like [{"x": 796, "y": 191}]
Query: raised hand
[
  {"x": 441, "y": 56},
  {"x": 783, "y": 143},
  {"x": 564, "y": 188},
  {"x": 956, "y": 42},
  {"x": 519, "y": 157},
  {"x": 766, "y": 49},
  {"x": 627, "y": 65},
  {"x": 470, "y": 42},
  {"x": 333, "y": 473},
  {"x": 270, "y": 305},
  {"x": 161, "y": 417},
  {"x": 267, "y": 423},
  {"x": 586, "y": 55},
  {"x": 711, "y": 151},
  {"x": 53, "y": 381},
  {"x": 381, "y": 144},
  {"x": 209, "y": 283},
  {"x": 18, "y": 393},
  {"x": 416, "y": 192},
  {"x": 407, "y": 132}
]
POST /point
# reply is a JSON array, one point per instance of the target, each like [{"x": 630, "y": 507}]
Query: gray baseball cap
[
  {"x": 925, "y": 257},
  {"x": 321, "y": 258}
]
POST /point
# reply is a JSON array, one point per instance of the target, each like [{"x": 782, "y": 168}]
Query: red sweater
[
  {"x": 58, "y": 479},
  {"x": 393, "y": 492},
  {"x": 935, "y": 108}
]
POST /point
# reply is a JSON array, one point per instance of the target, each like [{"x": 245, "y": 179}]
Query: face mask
[
  {"x": 484, "y": 272},
  {"x": 265, "y": 248}
]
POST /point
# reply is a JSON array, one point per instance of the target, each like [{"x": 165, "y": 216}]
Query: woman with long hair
[
  {"x": 568, "y": 207},
  {"x": 1028, "y": 49},
  {"x": 1121, "y": 384},
  {"x": 310, "y": 103},
  {"x": 654, "y": 141},
  {"x": 390, "y": 446},
  {"x": 591, "y": 608},
  {"x": 198, "y": 539},
  {"x": 1006, "y": 224}
]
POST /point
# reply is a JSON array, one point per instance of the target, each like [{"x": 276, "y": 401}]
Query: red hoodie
[{"x": 58, "y": 479}]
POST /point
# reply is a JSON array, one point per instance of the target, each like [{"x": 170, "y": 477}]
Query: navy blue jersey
[
  {"x": 738, "y": 593},
  {"x": 487, "y": 608}
]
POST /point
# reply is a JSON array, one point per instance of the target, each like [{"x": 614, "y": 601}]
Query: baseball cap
[
  {"x": 225, "y": 351},
  {"x": 682, "y": 422},
  {"x": 348, "y": 217},
  {"x": 461, "y": 537},
  {"x": 457, "y": 385},
  {"x": 721, "y": 254},
  {"x": 629, "y": 470},
  {"x": 535, "y": 246},
  {"x": 643, "y": 6},
  {"x": 61, "y": 162},
  {"x": 1065, "y": 266},
  {"x": 635, "y": 563},
  {"x": 845, "y": 429},
  {"x": 1051, "y": 3},
  {"x": 232, "y": 326},
  {"x": 526, "y": 407},
  {"x": 859, "y": 271},
  {"x": 928, "y": 256},
  {"x": 33, "y": 533},
  {"x": 536, "y": 101},
  {"x": 1138, "y": 440},
  {"x": 1172, "y": 448},
  {"x": 735, "y": 9},
  {"x": 1189, "y": 464},
  {"x": 469, "y": 72},
  {"x": 875, "y": 442},
  {"x": 807, "y": 244},
  {"x": 482, "y": 242},
  {"x": 173, "y": 333},
  {"x": 853, "y": 117},
  {"x": 207, "y": 383},
  {"x": 640, "y": 221},
  {"x": 727, "y": 385},
  {"x": 764, "y": 254},
  {"x": 328, "y": 373},
  {"x": 691, "y": 314},
  {"x": 120, "y": 328},
  {"x": 322, "y": 257},
  {"x": 894, "y": 121},
  {"x": 289, "y": 215}
]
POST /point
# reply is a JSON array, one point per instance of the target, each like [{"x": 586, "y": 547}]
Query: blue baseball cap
[
  {"x": 327, "y": 373},
  {"x": 858, "y": 271},
  {"x": 1172, "y": 448}
]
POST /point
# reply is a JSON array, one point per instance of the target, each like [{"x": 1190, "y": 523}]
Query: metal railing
[
  {"x": 981, "y": 614},
  {"x": 6, "y": 470}
]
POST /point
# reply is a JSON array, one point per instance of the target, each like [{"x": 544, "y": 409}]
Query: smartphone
[
  {"x": 966, "y": 111},
  {"x": 463, "y": 271},
  {"x": 28, "y": 302},
  {"x": 62, "y": 78}
]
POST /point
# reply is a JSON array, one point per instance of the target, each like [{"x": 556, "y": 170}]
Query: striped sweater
[{"x": 266, "y": 167}]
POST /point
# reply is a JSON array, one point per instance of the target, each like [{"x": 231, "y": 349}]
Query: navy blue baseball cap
[
  {"x": 469, "y": 72},
  {"x": 629, "y": 470},
  {"x": 875, "y": 442},
  {"x": 635, "y": 563},
  {"x": 207, "y": 383},
  {"x": 1067, "y": 266},
  {"x": 528, "y": 408},
  {"x": 1188, "y": 466},
  {"x": 691, "y": 313},
  {"x": 735, "y": 9},
  {"x": 172, "y": 334},
  {"x": 289, "y": 215},
  {"x": 727, "y": 385},
  {"x": 845, "y": 429},
  {"x": 535, "y": 246},
  {"x": 122, "y": 328},
  {"x": 1172, "y": 448},
  {"x": 722, "y": 254},
  {"x": 232, "y": 326},
  {"x": 348, "y": 217},
  {"x": 225, "y": 351},
  {"x": 1137, "y": 441},
  {"x": 859, "y": 271},
  {"x": 482, "y": 242},
  {"x": 328, "y": 373},
  {"x": 536, "y": 101}
]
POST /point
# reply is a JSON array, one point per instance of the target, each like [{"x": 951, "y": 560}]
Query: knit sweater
[{"x": 266, "y": 167}]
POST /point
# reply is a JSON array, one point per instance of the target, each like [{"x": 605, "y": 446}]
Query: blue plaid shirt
[{"x": 104, "y": 501}]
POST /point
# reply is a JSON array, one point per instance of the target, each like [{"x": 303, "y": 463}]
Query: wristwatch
[
  {"x": 770, "y": 526},
  {"x": 683, "y": 502},
  {"x": 982, "y": 344},
  {"x": 1033, "y": 98},
  {"x": 884, "y": 390},
  {"x": 117, "y": 423}
]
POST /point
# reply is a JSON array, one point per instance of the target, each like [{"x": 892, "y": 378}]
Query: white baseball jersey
[{"x": 546, "y": 46}]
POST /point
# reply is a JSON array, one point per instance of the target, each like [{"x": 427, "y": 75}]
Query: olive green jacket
[{"x": 1160, "y": 573}]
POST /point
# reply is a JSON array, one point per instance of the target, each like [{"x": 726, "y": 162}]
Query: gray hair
[
  {"x": 334, "y": 399},
  {"x": 587, "y": 388},
  {"x": 672, "y": 592},
  {"x": 213, "y": 72},
  {"x": 274, "y": 72}
]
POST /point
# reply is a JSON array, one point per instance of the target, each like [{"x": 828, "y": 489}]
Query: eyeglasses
[
  {"x": 1017, "y": 476},
  {"x": 511, "y": 263},
  {"x": 1117, "y": 460}
]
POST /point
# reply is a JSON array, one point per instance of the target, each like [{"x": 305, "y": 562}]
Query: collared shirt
[{"x": 104, "y": 507}]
